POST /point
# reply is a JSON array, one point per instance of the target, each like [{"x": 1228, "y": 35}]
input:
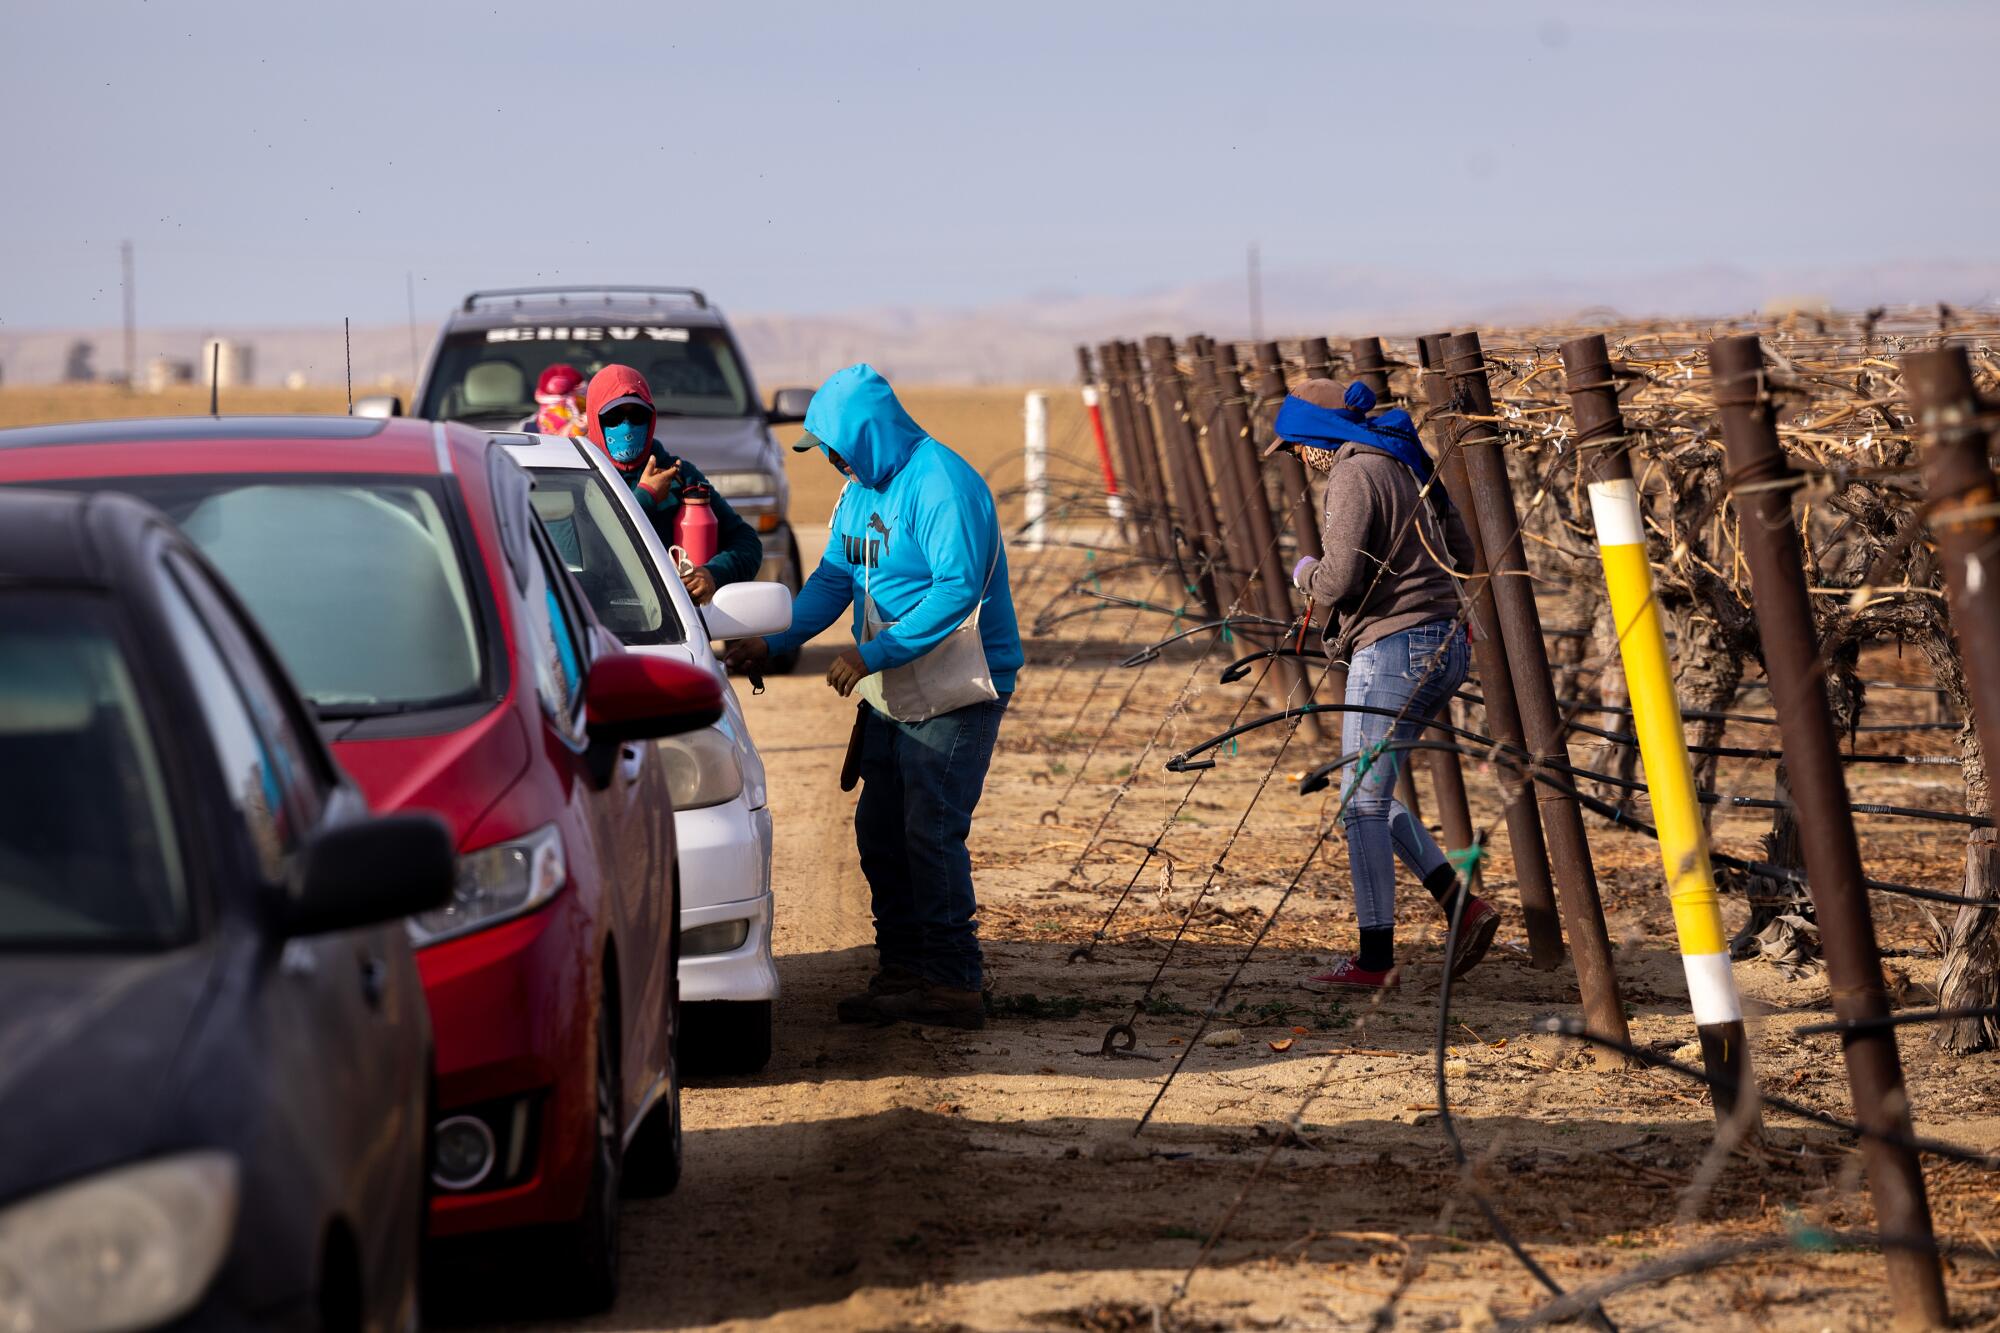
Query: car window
[
  {"x": 360, "y": 582},
  {"x": 593, "y": 535},
  {"x": 488, "y": 376},
  {"x": 296, "y": 757},
  {"x": 555, "y": 638},
  {"x": 90, "y": 856},
  {"x": 253, "y": 771},
  {"x": 509, "y": 484}
]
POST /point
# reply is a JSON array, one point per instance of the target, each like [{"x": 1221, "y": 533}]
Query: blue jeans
[
  {"x": 1413, "y": 672},
  {"x": 921, "y": 781}
]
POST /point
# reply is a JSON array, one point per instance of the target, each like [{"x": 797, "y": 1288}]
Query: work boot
[
  {"x": 933, "y": 1005},
  {"x": 1476, "y": 928},
  {"x": 860, "y": 1007}
]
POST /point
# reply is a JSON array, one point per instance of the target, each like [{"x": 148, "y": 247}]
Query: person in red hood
[
  {"x": 559, "y": 393},
  {"x": 619, "y": 419}
]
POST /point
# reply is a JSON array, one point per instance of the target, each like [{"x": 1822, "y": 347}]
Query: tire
[
  {"x": 728, "y": 1038},
  {"x": 653, "y": 1158},
  {"x": 584, "y": 1268}
]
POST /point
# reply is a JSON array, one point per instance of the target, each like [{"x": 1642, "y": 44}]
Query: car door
[
  {"x": 626, "y": 813},
  {"x": 350, "y": 1030}
]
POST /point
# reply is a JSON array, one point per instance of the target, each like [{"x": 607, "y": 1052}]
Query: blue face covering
[
  {"x": 1392, "y": 432},
  {"x": 626, "y": 441}
]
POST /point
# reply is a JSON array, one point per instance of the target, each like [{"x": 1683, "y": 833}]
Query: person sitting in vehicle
[
  {"x": 620, "y": 419},
  {"x": 559, "y": 393}
]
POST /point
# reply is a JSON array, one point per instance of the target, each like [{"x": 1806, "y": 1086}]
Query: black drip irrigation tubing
[
  {"x": 1127, "y": 1030},
  {"x": 1586, "y": 1301},
  {"x": 1951, "y": 1152},
  {"x": 1703, "y": 1258},
  {"x": 1245, "y": 624},
  {"x": 1528, "y": 768},
  {"x": 1547, "y": 774},
  {"x": 1185, "y": 762},
  {"x": 1236, "y": 670}
]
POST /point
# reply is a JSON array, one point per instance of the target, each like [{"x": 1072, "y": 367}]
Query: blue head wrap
[{"x": 1318, "y": 427}]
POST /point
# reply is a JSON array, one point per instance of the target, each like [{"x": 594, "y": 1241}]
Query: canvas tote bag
[{"x": 951, "y": 675}]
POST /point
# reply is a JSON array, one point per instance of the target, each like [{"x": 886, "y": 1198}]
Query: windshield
[
  {"x": 590, "y": 528},
  {"x": 488, "y": 376},
  {"x": 88, "y": 855},
  {"x": 358, "y": 581}
]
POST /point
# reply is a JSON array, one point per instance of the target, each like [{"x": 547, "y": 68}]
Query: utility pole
[
  {"x": 1256, "y": 297},
  {"x": 131, "y": 329},
  {"x": 410, "y": 295}
]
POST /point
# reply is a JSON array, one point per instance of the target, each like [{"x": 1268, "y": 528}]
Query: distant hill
[{"x": 1035, "y": 340}]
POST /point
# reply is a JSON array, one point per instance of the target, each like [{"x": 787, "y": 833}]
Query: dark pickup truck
[{"x": 493, "y": 348}]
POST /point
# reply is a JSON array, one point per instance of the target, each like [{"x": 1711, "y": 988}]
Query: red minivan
[{"x": 399, "y": 570}]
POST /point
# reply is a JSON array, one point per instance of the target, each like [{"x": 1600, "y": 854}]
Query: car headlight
[
  {"x": 702, "y": 769},
  {"x": 735, "y": 485},
  {"x": 494, "y": 884},
  {"x": 131, "y": 1248}
]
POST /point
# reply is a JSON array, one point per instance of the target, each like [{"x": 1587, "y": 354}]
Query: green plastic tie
[{"x": 1805, "y": 1236}]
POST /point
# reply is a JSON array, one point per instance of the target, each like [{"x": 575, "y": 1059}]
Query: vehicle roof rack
[{"x": 605, "y": 294}]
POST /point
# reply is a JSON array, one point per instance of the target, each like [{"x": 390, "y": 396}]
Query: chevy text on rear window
[{"x": 588, "y": 333}]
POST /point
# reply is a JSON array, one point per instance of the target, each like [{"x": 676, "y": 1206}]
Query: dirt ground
[
  {"x": 888, "y": 1179},
  {"x": 897, "y": 1178}
]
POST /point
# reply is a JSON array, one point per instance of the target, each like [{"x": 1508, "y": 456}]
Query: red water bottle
[{"x": 694, "y": 526}]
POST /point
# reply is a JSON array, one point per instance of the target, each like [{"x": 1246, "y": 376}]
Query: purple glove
[{"x": 1302, "y": 571}]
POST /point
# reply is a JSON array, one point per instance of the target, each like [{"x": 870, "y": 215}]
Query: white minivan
[{"x": 722, "y": 819}]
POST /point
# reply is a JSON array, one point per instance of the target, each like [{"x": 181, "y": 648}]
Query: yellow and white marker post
[{"x": 1656, "y": 719}]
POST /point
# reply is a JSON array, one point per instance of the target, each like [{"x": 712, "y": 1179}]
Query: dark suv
[{"x": 495, "y": 346}]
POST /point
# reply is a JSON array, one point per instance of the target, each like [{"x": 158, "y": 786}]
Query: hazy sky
[{"x": 288, "y": 163}]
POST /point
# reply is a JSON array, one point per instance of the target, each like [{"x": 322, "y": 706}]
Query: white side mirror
[
  {"x": 381, "y": 405},
  {"x": 748, "y": 611}
]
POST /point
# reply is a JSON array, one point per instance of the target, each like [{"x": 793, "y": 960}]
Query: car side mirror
[
  {"x": 368, "y": 872},
  {"x": 788, "y": 406},
  {"x": 748, "y": 611},
  {"x": 378, "y": 405},
  {"x": 634, "y": 697}
]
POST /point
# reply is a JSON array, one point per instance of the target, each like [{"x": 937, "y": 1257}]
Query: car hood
[
  {"x": 88, "y": 1046},
  {"x": 718, "y": 444},
  {"x": 457, "y": 775}
]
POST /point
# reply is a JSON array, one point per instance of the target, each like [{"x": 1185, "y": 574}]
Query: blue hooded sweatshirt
[{"x": 915, "y": 526}]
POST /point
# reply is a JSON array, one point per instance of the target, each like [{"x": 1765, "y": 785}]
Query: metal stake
[
  {"x": 1521, "y": 631},
  {"x": 1656, "y": 717},
  {"x": 1214, "y": 585},
  {"x": 1959, "y": 479},
  {"x": 1496, "y": 681},
  {"x": 1231, "y": 446},
  {"x": 1300, "y": 511},
  {"x": 1762, "y": 481}
]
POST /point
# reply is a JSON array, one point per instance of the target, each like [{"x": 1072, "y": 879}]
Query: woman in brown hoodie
[{"x": 1394, "y": 617}]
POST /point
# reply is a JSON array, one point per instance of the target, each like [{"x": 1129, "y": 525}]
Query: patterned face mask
[
  {"x": 626, "y": 441},
  {"x": 1316, "y": 460}
]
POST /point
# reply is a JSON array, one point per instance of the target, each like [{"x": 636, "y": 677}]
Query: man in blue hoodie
[{"x": 914, "y": 529}]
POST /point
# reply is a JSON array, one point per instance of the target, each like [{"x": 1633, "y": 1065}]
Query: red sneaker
[
  {"x": 1476, "y": 929},
  {"x": 1346, "y": 975}
]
